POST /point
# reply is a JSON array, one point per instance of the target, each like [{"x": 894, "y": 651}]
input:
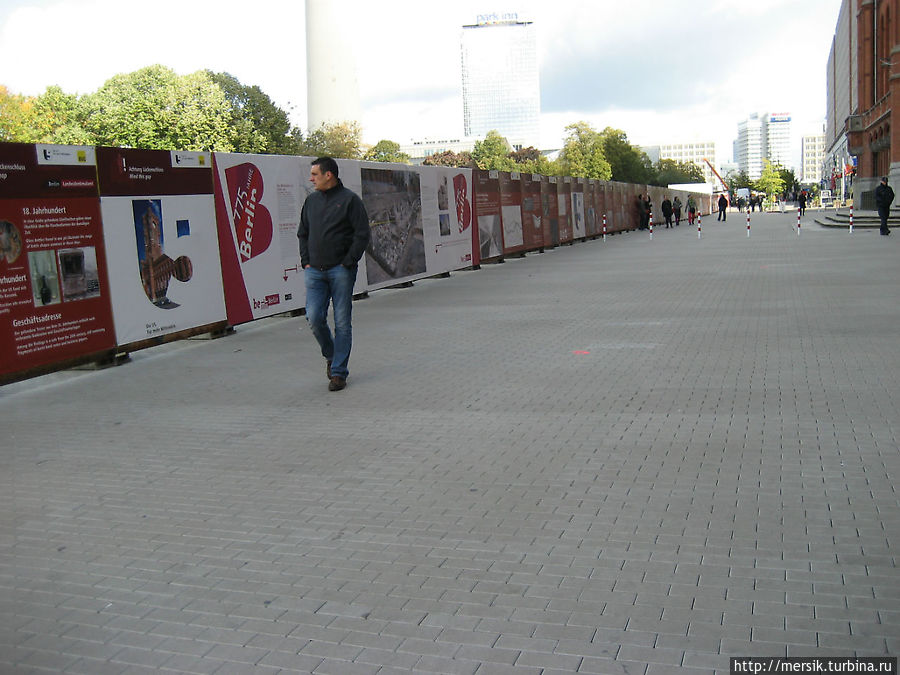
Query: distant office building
[
  {"x": 777, "y": 139},
  {"x": 812, "y": 157},
  {"x": 419, "y": 150},
  {"x": 693, "y": 152},
  {"x": 748, "y": 147},
  {"x": 763, "y": 137},
  {"x": 500, "y": 82}
]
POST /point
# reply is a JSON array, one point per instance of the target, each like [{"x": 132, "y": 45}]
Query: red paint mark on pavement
[{"x": 580, "y": 351}]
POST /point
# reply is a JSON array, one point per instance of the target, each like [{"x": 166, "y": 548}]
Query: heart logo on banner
[
  {"x": 463, "y": 208},
  {"x": 252, "y": 220}
]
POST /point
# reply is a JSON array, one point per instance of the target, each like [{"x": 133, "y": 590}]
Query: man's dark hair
[{"x": 327, "y": 164}]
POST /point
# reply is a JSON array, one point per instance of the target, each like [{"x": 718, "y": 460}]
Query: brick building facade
[{"x": 870, "y": 127}]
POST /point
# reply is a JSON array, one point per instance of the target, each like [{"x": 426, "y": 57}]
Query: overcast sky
[{"x": 661, "y": 70}]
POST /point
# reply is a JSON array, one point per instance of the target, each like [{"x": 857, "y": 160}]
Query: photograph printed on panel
[{"x": 394, "y": 203}]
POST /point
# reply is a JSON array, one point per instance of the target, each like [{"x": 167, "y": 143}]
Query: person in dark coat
[
  {"x": 884, "y": 197},
  {"x": 667, "y": 211},
  {"x": 723, "y": 204},
  {"x": 676, "y": 210}
]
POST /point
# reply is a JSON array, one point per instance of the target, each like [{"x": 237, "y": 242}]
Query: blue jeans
[{"x": 335, "y": 286}]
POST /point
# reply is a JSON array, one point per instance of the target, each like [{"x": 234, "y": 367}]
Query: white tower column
[{"x": 332, "y": 88}]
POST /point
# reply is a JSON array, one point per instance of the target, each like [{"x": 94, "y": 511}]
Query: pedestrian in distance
[
  {"x": 333, "y": 235},
  {"x": 884, "y": 197},
  {"x": 691, "y": 210},
  {"x": 676, "y": 210},
  {"x": 801, "y": 202},
  {"x": 667, "y": 211},
  {"x": 723, "y": 204}
]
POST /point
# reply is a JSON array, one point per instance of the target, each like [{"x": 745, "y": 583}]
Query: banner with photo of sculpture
[
  {"x": 54, "y": 293},
  {"x": 258, "y": 201},
  {"x": 159, "y": 228},
  {"x": 550, "y": 211}
]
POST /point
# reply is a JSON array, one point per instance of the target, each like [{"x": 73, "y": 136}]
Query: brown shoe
[
  {"x": 337, "y": 383},
  {"x": 328, "y": 369}
]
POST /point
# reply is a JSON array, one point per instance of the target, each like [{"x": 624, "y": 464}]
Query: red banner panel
[
  {"x": 54, "y": 293},
  {"x": 487, "y": 215}
]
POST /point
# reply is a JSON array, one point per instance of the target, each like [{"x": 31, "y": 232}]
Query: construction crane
[{"x": 713, "y": 169}]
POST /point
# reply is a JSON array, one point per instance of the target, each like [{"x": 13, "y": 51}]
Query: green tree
[
  {"x": 157, "y": 109},
  {"x": 770, "y": 181},
  {"x": 738, "y": 179},
  {"x": 583, "y": 154},
  {"x": 260, "y": 126},
  {"x": 493, "y": 153},
  {"x": 628, "y": 163},
  {"x": 338, "y": 139},
  {"x": 791, "y": 184},
  {"x": 386, "y": 151},
  {"x": 669, "y": 172},
  {"x": 59, "y": 119},
  {"x": 532, "y": 160},
  {"x": 16, "y": 117}
]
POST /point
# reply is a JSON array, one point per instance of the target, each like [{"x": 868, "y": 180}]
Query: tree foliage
[
  {"x": 770, "y": 181},
  {"x": 493, "y": 153},
  {"x": 386, "y": 151},
  {"x": 583, "y": 153},
  {"x": 155, "y": 108},
  {"x": 628, "y": 163},
  {"x": 668, "y": 172},
  {"x": 339, "y": 139},
  {"x": 16, "y": 117},
  {"x": 738, "y": 179},
  {"x": 260, "y": 126}
]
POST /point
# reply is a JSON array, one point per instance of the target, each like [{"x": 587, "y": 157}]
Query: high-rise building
[
  {"x": 767, "y": 137},
  {"x": 748, "y": 148},
  {"x": 812, "y": 157},
  {"x": 777, "y": 138},
  {"x": 500, "y": 82}
]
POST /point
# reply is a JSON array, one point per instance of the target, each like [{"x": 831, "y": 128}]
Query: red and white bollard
[
  {"x": 748, "y": 223},
  {"x": 851, "y": 219},
  {"x": 698, "y": 225},
  {"x": 651, "y": 225},
  {"x": 798, "y": 221},
  {"x": 604, "y": 227}
]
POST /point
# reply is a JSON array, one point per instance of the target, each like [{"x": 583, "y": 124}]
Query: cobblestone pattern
[{"x": 637, "y": 456}]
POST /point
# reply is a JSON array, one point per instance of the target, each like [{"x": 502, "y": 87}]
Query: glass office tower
[{"x": 500, "y": 81}]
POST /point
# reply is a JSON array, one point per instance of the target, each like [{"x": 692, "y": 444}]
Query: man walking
[
  {"x": 884, "y": 197},
  {"x": 333, "y": 234},
  {"x": 723, "y": 204}
]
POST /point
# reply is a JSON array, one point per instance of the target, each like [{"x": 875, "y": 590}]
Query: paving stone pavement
[{"x": 631, "y": 456}]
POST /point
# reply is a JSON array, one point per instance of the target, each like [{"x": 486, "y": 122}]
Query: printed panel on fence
[
  {"x": 532, "y": 212},
  {"x": 54, "y": 292},
  {"x": 258, "y": 201},
  {"x": 578, "y": 229},
  {"x": 511, "y": 212},
  {"x": 162, "y": 248},
  {"x": 564, "y": 188},
  {"x": 487, "y": 213},
  {"x": 447, "y": 217},
  {"x": 550, "y": 211}
]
